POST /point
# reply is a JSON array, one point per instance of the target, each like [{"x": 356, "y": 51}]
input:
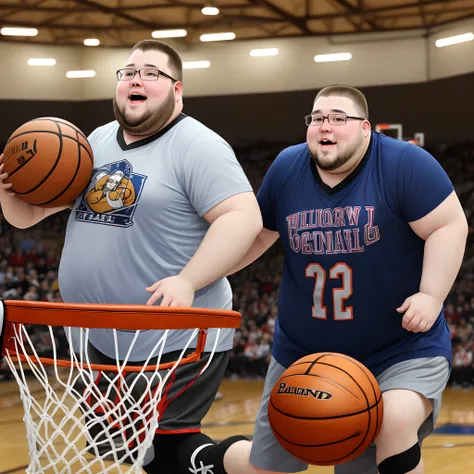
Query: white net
[{"x": 83, "y": 417}]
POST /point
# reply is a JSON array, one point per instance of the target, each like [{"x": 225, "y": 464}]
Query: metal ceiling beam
[
  {"x": 437, "y": 13},
  {"x": 115, "y": 12},
  {"x": 251, "y": 18},
  {"x": 15, "y": 7},
  {"x": 453, "y": 20},
  {"x": 177, "y": 3},
  {"x": 295, "y": 21},
  {"x": 357, "y": 25},
  {"x": 361, "y": 5},
  {"x": 356, "y": 11},
  {"x": 422, "y": 14},
  {"x": 73, "y": 26},
  {"x": 52, "y": 19},
  {"x": 371, "y": 11}
]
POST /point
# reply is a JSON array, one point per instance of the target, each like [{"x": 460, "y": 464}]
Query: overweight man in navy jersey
[{"x": 373, "y": 236}]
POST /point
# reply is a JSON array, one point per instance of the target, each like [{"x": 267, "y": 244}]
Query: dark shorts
[{"x": 185, "y": 399}]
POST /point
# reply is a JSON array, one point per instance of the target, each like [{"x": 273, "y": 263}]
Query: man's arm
[
  {"x": 444, "y": 231},
  {"x": 19, "y": 213},
  {"x": 23, "y": 215},
  {"x": 262, "y": 243},
  {"x": 235, "y": 224}
]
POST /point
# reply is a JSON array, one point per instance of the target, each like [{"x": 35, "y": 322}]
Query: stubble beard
[
  {"x": 341, "y": 158},
  {"x": 148, "y": 123}
]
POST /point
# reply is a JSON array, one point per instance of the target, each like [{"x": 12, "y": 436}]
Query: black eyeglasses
[
  {"x": 316, "y": 120},
  {"x": 145, "y": 73}
]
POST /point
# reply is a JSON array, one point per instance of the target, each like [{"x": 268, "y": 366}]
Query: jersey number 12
[{"x": 339, "y": 295}]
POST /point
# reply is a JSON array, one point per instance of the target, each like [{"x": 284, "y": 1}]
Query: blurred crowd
[{"x": 29, "y": 261}]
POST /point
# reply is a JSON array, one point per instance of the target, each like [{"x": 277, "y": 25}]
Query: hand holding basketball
[
  {"x": 421, "y": 312},
  {"x": 49, "y": 162},
  {"x": 175, "y": 291},
  {"x": 4, "y": 187}
]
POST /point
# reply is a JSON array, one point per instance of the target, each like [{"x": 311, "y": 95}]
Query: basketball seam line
[
  {"x": 369, "y": 411},
  {"x": 373, "y": 389},
  {"x": 319, "y": 461},
  {"x": 352, "y": 436},
  {"x": 71, "y": 182},
  {"x": 56, "y": 120},
  {"x": 62, "y": 122}
]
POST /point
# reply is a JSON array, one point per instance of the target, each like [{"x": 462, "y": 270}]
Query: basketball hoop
[
  {"x": 395, "y": 130},
  {"x": 68, "y": 418}
]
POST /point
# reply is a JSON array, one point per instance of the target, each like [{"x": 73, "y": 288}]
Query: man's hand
[
  {"x": 175, "y": 291},
  {"x": 421, "y": 312}
]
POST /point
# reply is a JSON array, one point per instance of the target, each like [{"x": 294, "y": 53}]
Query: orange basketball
[
  {"x": 326, "y": 409},
  {"x": 49, "y": 162}
]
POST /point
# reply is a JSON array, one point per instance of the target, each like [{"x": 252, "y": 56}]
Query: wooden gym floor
[{"x": 450, "y": 450}]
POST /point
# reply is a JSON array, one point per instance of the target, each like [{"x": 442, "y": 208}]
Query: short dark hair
[
  {"x": 174, "y": 60},
  {"x": 359, "y": 99}
]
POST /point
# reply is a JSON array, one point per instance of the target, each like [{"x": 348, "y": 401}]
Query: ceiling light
[
  {"x": 19, "y": 31},
  {"x": 217, "y": 37},
  {"x": 80, "y": 74},
  {"x": 256, "y": 53},
  {"x": 91, "y": 42},
  {"x": 41, "y": 62},
  {"x": 169, "y": 33},
  {"x": 454, "y": 40},
  {"x": 324, "y": 58},
  {"x": 196, "y": 64},
  {"x": 210, "y": 11}
]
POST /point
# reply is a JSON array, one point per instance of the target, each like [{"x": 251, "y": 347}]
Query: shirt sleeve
[
  {"x": 271, "y": 188},
  {"x": 265, "y": 198},
  {"x": 421, "y": 185},
  {"x": 211, "y": 172}
]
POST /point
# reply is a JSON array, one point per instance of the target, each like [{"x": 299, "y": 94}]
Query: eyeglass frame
[
  {"x": 160, "y": 73},
  {"x": 327, "y": 117}
]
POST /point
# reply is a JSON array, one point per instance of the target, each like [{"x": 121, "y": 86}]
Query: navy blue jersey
[{"x": 351, "y": 257}]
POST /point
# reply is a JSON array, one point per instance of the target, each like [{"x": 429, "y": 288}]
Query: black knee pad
[
  {"x": 164, "y": 455},
  {"x": 211, "y": 457},
  {"x": 190, "y": 453},
  {"x": 401, "y": 463}
]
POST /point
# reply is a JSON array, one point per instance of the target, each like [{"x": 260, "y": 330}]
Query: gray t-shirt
[{"x": 140, "y": 220}]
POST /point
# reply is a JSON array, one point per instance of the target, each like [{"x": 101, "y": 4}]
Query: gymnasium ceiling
[{"x": 124, "y": 22}]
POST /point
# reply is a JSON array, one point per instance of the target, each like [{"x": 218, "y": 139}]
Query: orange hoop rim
[
  {"x": 109, "y": 316},
  {"x": 106, "y": 316}
]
